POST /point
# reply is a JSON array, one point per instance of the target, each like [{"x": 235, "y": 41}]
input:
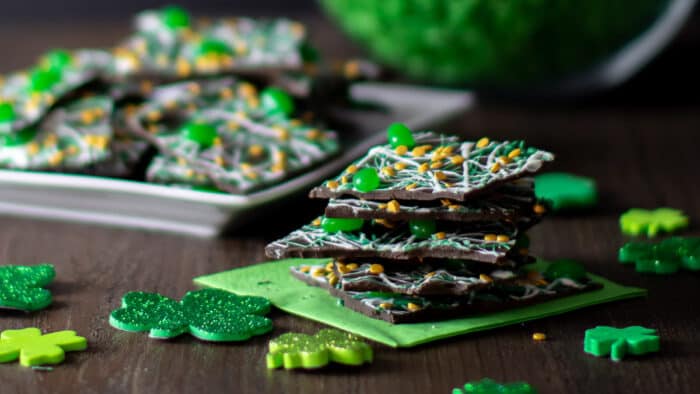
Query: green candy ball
[
  {"x": 565, "y": 269},
  {"x": 422, "y": 228},
  {"x": 21, "y": 137},
  {"x": 277, "y": 101},
  {"x": 334, "y": 225},
  {"x": 41, "y": 80},
  {"x": 398, "y": 134},
  {"x": 366, "y": 180},
  {"x": 56, "y": 60},
  {"x": 202, "y": 133},
  {"x": 211, "y": 46},
  {"x": 175, "y": 17},
  {"x": 7, "y": 112}
]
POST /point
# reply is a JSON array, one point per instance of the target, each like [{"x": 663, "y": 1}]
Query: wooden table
[{"x": 641, "y": 148}]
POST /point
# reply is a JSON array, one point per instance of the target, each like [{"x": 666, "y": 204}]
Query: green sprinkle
[
  {"x": 7, "y": 112},
  {"x": 277, "y": 101},
  {"x": 366, "y": 180},
  {"x": 175, "y": 17},
  {"x": 422, "y": 228},
  {"x": 398, "y": 134},
  {"x": 334, "y": 225},
  {"x": 202, "y": 133}
]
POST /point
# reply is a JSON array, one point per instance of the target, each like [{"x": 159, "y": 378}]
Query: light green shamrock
[
  {"x": 650, "y": 222},
  {"x": 617, "y": 342},
  {"x": 295, "y": 350},
  {"x": 32, "y": 348}
]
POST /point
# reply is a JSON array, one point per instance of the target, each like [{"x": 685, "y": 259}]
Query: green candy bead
[
  {"x": 366, "y": 180},
  {"x": 175, "y": 17},
  {"x": 41, "y": 80},
  {"x": 56, "y": 60},
  {"x": 276, "y": 101},
  {"x": 334, "y": 225},
  {"x": 212, "y": 46},
  {"x": 202, "y": 133},
  {"x": 21, "y": 137},
  {"x": 565, "y": 269},
  {"x": 422, "y": 228},
  {"x": 7, "y": 112},
  {"x": 398, "y": 134}
]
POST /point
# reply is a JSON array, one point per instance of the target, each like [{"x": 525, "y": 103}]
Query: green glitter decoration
[
  {"x": 617, "y": 342},
  {"x": 21, "y": 287},
  {"x": 32, "y": 348},
  {"x": 651, "y": 222},
  {"x": 489, "y": 386},
  {"x": 665, "y": 257},
  {"x": 207, "y": 314},
  {"x": 295, "y": 350}
]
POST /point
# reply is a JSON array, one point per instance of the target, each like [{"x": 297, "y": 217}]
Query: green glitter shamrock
[
  {"x": 21, "y": 286},
  {"x": 650, "y": 222},
  {"x": 665, "y": 257},
  {"x": 32, "y": 348},
  {"x": 566, "y": 191},
  {"x": 208, "y": 314},
  {"x": 295, "y": 350},
  {"x": 617, "y": 342},
  {"x": 489, "y": 386}
]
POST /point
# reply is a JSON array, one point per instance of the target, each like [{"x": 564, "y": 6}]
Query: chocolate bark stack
[{"x": 427, "y": 227}]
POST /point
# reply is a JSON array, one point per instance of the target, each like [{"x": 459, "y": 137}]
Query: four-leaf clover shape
[
  {"x": 295, "y": 350},
  {"x": 641, "y": 221},
  {"x": 21, "y": 286},
  {"x": 665, "y": 257},
  {"x": 208, "y": 314},
  {"x": 617, "y": 342},
  {"x": 32, "y": 348},
  {"x": 489, "y": 386}
]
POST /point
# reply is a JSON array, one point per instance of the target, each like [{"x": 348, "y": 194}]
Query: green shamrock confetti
[
  {"x": 617, "y": 342},
  {"x": 21, "y": 286},
  {"x": 295, "y": 350},
  {"x": 650, "y": 222},
  {"x": 489, "y": 386},
  {"x": 208, "y": 314},
  {"x": 665, "y": 257},
  {"x": 32, "y": 348},
  {"x": 566, "y": 191}
]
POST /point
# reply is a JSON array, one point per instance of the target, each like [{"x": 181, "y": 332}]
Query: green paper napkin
[{"x": 273, "y": 281}]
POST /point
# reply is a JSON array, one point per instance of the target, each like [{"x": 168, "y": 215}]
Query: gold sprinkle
[
  {"x": 329, "y": 266},
  {"x": 305, "y": 268},
  {"x": 411, "y": 186},
  {"x": 153, "y": 116},
  {"x": 87, "y": 117},
  {"x": 256, "y": 150},
  {"x": 344, "y": 180},
  {"x": 419, "y": 151},
  {"x": 217, "y": 141},
  {"x": 502, "y": 238},
  {"x": 313, "y": 134},
  {"x": 341, "y": 267},
  {"x": 33, "y": 148},
  {"x": 413, "y": 307},
  {"x": 56, "y": 158},
  {"x": 332, "y": 280},
  {"x": 316, "y": 222},
  {"x": 440, "y": 235},
  {"x": 539, "y": 209},
  {"x": 351, "y": 266},
  {"x": 318, "y": 272},
  {"x": 399, "y": 166},
  {"x": 282, "y": 133},
  {"x": 388, "y": 171},
  {"x": 381, "y": 205},
  {"x": 183, "y": 68},
  {"x": 376, "y": 269},
  {"x": 385, "y": 223},
  {"x": 393, "y": 206},
  {"x": 219, "y": 161},
  {"x": 226, "y": 93},
  {"x": 429, "y": 274},
  {"x": 386, "y": 305},
  {"x": 496, "y": 167},
  {"x": 401, "y": 150},
  {"x": 351, "y": 169},
  {"x": 482, "y": 142},
  {"x": 513, "y": 154},
  {"x": 504, "y": 160},
  {"x": 440, "y": 176},
  {"x": 351, "y": 69},
  {"x": 247, "y": 90},
  {"x": 436, "y": 165},
  {"x": 485, "y": 278},
  {"x": 423, "y": 168},
  {"x": 332, "y": 184},
  {"x": 232, "y": 125},
  {"x": 454, "y": 207},
  {"x": 445, "y": 202},
  {"x": 490, "y": 237},
  {"x": 194, "y": 88},
  {"x": 539, "y": 336}
]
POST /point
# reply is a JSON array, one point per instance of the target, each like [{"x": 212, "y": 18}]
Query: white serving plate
[{"x": 141, "y": 205}]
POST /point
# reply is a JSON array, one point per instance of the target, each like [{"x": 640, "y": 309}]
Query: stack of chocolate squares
[{"x": 429, "y": 227}]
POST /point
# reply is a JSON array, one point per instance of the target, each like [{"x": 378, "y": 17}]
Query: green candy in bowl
[{"x": 507, "y": 44}]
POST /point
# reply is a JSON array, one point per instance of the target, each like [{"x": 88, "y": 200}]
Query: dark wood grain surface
[{"x": 642, "y": 151}]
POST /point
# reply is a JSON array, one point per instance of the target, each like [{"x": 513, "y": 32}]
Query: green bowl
[{"x": 495, "y": 43}]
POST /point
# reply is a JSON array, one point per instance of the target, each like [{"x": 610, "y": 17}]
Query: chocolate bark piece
[
  {"x": 398, "y": 309},
  {"x": 514, "y": 201},
  {"x": 239, "y": 147},
  {"x": 191, "y": 48},
  {"x": 72, "y": 137},
  {"x": 26, "y": 96},
  {"x": 438, "y": 167},
  {"x": 484, "y": 242},
  {"x": 450, "y": 278}
]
